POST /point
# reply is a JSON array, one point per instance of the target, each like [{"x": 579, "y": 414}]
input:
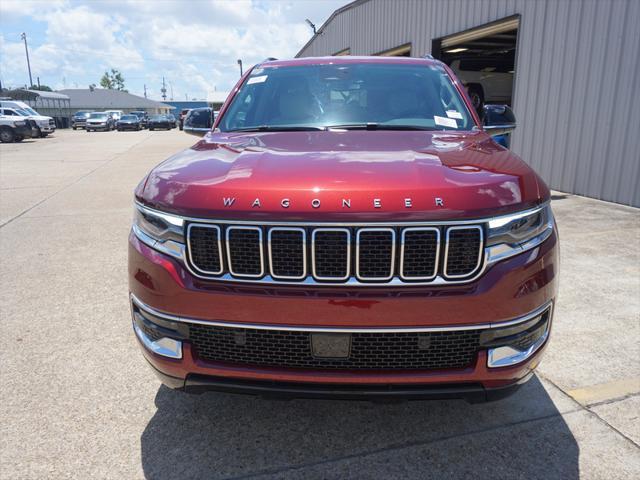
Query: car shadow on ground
[{"x": 225, "y": 436}]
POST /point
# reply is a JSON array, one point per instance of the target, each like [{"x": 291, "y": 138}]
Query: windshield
[
  {"x": 81, "y": 114},
  {"x": 157, "y": 117},
  {"x": 394, "y": 96},
  {"x": 129, "y": 117},
  {"x": 98, "y": 115},
  {"x": 28, "y": 111}
]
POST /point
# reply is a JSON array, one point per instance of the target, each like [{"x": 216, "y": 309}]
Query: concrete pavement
[{"x": 78, "y": 400}]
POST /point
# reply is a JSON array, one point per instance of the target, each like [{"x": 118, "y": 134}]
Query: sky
[{"x": 194, "y": 44}]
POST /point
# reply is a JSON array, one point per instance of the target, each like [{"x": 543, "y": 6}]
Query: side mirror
[
  {"x": 498, "y": 119},
  {"x": 198, "y": 122}
]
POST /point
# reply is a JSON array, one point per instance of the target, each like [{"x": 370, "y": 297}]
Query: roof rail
[
  {"x": 269, "y": 59},
  {"x": 428, "y": 56}
]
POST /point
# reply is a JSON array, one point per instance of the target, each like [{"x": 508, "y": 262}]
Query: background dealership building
[{"x": 570, "y": 70}]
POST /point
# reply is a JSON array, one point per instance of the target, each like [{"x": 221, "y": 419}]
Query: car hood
[{"x": 330, "y": 176}]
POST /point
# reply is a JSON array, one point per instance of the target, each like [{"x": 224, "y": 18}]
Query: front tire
[{"x": 7, "y": 135}]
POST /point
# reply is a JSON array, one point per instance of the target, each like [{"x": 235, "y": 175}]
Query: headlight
[
  {"x": 20, "y": 123},
  {"x": 513, "y": 234},
  {"x": 159, "y": 230}
]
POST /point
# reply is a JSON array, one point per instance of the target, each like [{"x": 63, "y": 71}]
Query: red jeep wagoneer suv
[{"x": 348, "y": 229}]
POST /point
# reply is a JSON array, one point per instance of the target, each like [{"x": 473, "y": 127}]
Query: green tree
[
  {"x": 42, "y": 88},
  {"x": 112, "y": 80}
]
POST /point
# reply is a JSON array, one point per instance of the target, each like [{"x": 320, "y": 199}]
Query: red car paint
[{"x": 345, "y": 176}]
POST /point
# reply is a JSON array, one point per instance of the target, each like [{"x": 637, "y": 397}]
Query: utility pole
[
  {"x": 164, "y": 90},
  {"x": 26, "y": 49},
  {"x": 240, "y": 63},
  {"x": 145, "y": 90}
]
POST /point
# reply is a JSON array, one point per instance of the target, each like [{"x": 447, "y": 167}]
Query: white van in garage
[{"x": 45, "y": 125}]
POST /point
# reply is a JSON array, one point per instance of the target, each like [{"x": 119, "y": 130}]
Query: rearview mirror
[
  {"x": 498, "y": 119},
  {"x": 198, "y": 122}
]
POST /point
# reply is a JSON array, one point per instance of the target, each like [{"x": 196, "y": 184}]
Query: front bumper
[{"x": 507, "y": 291}]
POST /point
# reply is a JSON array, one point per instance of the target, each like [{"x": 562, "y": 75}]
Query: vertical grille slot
[
  {"x": 287, "y": 253},
  {"x": 375, "y": 253},
  {"x": 244, "y": 251},
  {"x": 205, "y": 248},
  {"x": 420, "y": 253},
  {"x": 463, "y": 254},
  {"x": 331, "y": 253}
]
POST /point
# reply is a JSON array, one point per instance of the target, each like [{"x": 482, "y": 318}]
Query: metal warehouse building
[{"x": 569, "y": 68}]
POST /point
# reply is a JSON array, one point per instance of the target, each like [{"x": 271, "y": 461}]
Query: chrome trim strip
[
  {"x": 393, "y": 254},
  {"x": 189, "y": 249},
  {"x": 320, "y": 224},
  {"x": 313, "y": 254},
  {"x": 230, "y": 265},
  {"x": 166, "y": 347},
  {"x": 480, "y": 250},
  {"x": 437, "y": 262},
  {"x": 304, "y": 252},
  {"x": 294, "y": 328},
  {"x": 508, "y": 356}
]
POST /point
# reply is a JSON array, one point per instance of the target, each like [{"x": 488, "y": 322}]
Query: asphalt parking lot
[{"x": 79, "y": 401}]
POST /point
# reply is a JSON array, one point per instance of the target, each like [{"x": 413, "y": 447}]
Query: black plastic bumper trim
[{"x": 471, "y": 392}]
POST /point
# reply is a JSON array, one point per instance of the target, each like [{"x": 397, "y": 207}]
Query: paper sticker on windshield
[
  {"x": 260, "y": 79},
  {"x": 445, "y": 122},
  {"x": 454, "y": 114}
]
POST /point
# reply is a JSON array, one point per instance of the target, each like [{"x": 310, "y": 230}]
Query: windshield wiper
[
  {"x": 377, "y": 126},
  {"x": 277, "y": 128}
]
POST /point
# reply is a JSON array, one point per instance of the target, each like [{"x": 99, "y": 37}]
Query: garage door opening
[{"x": 484, "y": 59}]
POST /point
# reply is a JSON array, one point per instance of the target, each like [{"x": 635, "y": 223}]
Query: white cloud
[{"x": 194, "y": 44}]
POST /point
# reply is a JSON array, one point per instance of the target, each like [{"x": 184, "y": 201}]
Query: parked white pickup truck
[
  {"x": 45, "y": 125},
  {"x": 485, "y": 81}
]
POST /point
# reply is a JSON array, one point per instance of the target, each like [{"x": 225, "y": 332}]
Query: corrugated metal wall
[{"x": 577, "y": 89}]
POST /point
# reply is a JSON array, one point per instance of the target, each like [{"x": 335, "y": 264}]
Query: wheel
[
  {"x": 18, "y": 138},
  {"x": 476, "y": 94},
  {"x": 43, "y": 134},
  {"x": 7, "y": 135},
  {"x": 151, "y": 129},
  {"x": 74, "y": 128},
  {"x": 119, "y": 129}
]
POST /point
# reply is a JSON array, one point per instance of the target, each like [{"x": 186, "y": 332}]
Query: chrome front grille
[{"x": 354, "y": 255}]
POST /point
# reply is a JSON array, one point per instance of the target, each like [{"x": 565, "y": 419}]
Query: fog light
[
  {"x": 167, "y": 347},
  {"x": 516, "y": 343}
]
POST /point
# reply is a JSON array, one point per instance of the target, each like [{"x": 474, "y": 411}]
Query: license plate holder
[{"x": 331, "y": 345}]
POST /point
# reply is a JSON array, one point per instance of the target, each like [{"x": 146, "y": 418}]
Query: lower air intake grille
[{"x": 284, "y": 348}]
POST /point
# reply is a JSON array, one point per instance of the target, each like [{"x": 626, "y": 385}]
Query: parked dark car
[
  {"x": 128, "y": 122},
  {"x": 173, "y": 119},
  {"x": 199, "y": 121},
  {"x": 79, "y": 119},
  {"x": 159, "y": 121},
  {"x": 182, "y": 116},
  {"x": 143, "y": 116},
  {"x": 99, "y": 121}
]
